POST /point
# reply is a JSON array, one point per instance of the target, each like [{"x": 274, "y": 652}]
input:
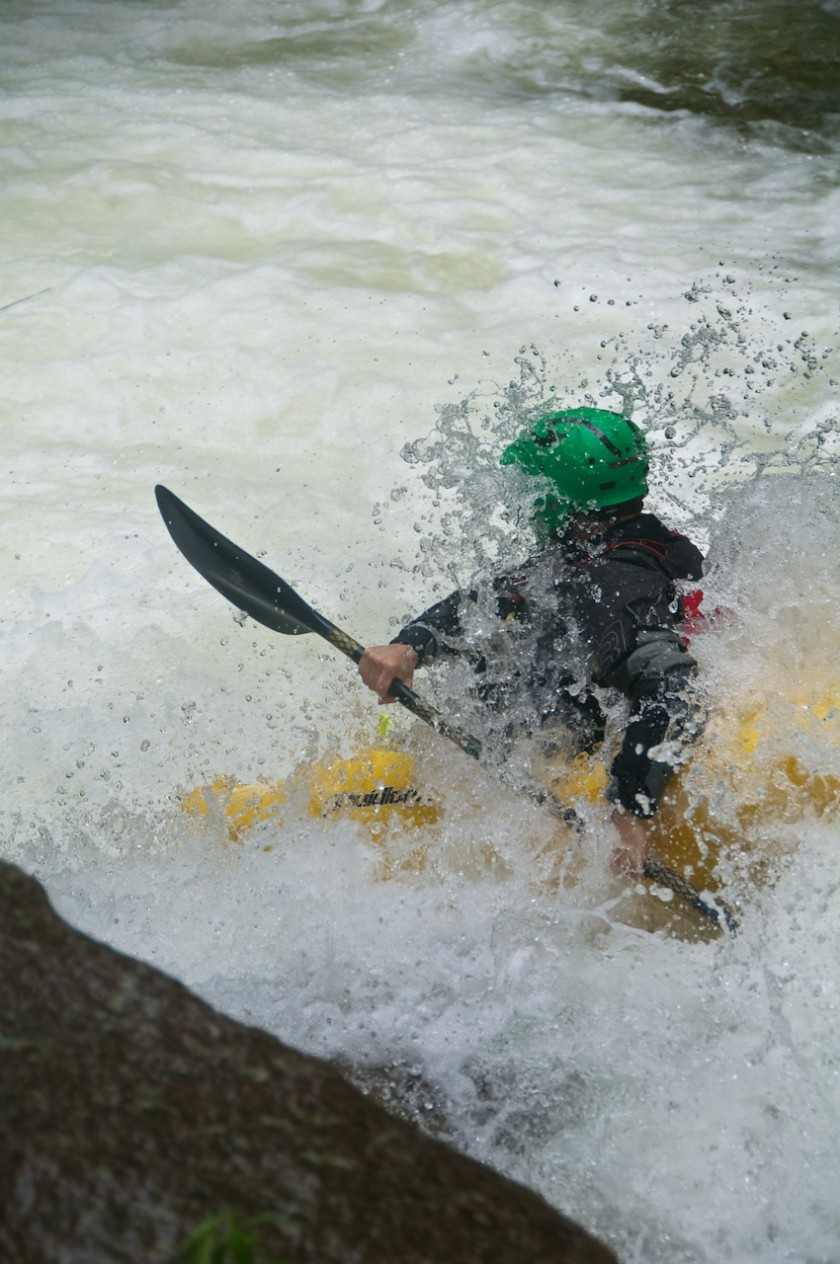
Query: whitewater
[{"x": 310, "y": 266}]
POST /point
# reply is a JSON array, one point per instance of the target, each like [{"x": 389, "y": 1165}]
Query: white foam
[{"x": 246, "y": 263}]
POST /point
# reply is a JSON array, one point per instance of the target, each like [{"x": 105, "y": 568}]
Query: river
[{"x": 309, "y": 265}]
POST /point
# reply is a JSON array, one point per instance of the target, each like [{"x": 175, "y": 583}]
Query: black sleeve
[
  {"x": 628, "y": 613},
  {"x": 664, "y": 709},
  {"x": 429, "y": 632}
]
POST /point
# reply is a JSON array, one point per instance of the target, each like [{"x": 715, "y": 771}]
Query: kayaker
[{"x": 593, "y": 615}]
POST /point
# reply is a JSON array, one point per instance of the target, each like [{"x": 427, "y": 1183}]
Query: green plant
[{"x": 225, "y": 1239}]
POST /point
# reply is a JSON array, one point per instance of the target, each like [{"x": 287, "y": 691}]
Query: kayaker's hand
[
  {"x": 381, "y": 664},
  {"x": 628, "y": 858}
]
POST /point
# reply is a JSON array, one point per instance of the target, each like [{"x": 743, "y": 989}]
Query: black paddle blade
[
  {"x": 267, "y": 598},
  {"x": 251, "y": 586}
]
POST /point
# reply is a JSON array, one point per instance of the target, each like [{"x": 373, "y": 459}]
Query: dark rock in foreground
[{"x": 130, "y": 1112}]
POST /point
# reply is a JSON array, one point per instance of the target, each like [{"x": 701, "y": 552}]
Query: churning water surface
[{"x": 310, "y": 265}]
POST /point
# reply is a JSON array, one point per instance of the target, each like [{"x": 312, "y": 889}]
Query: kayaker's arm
[
  {"x": 663, "y": 719},
  {"x": 626, "y": 610},
  {"x": 663, "y": 711},
  {"x": 420, "y": 641},
  {"x": 434, "y": 631},
  {"x": 631, "y": 851}
]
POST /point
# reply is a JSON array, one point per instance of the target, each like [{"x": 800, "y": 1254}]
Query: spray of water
[{"x": 740, "y": 390}]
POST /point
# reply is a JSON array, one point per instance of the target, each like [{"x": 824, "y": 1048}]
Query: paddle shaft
[{"x": 405, "y": 696}]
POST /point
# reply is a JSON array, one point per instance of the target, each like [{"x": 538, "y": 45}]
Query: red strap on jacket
[{"x": 694, "y": 619}]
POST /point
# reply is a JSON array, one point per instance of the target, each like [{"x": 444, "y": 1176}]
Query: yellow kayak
[
  {"x": 768, "y": 763},
  {"x": 376, "y": 788}
]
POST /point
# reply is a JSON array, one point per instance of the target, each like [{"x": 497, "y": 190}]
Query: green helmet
[{"x": 595, "y": 459}]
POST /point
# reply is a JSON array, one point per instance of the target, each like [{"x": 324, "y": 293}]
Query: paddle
[{"x": 268, "y": 599}]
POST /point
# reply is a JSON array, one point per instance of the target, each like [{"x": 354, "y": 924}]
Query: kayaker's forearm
[
  {"x": 428, "y": 632},
  {"x": 664, "y": 720}
]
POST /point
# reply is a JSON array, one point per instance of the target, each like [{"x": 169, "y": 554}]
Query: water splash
[{"x": 739, "y": 390}]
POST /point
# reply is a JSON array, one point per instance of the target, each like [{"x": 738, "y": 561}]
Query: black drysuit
[{"x": 604, "y": 615}]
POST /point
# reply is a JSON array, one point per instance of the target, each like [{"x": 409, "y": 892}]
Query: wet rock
[
  {"x": 131, "y": 1112},
  {"x": 405, "y": 1091}
]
